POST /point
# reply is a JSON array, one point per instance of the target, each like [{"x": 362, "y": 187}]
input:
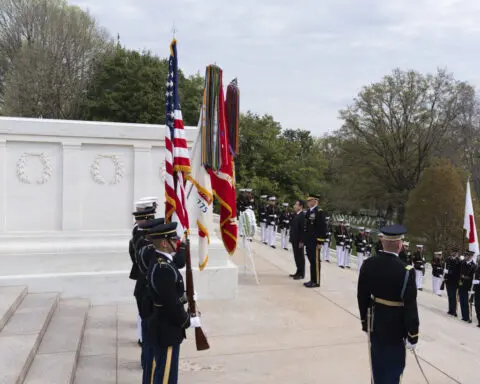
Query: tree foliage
[
  {"x": 392, "y": 132},
  {"x": 287, "y": 164},
  {"x": 49, "y": 52},
  {"x": 435, "y": 207},
  {"x": 130, "y": 87}
]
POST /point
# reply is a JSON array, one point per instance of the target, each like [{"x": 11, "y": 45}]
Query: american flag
[{"x": 177, "y": 161}]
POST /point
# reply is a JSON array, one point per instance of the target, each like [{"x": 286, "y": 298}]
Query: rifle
[{"x": 200, "y": 338}]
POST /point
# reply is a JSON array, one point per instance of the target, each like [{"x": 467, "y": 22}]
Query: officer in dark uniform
[
  {"x": 476, "y": 293},
  {"x": 166, "y": 326},
  {"x": 452, "y": 279},
  {"x": 419, "y": 265},
  {"x": 314, "y": 236},
  {"x": 405, "y": 254},
  {"x": 145, "y": 211},
  {"x": 241, "y": 201},
  {"x": 379, "y": 245},
  {"x": 437, "y": 273},
  {"x": 368, "y": 251},
  {"x": 387, "y": 300},
  {"x": 145, "y": 256},
  {"x": 284, "y": 225},
  {"x": 262, "y": 218},
  {"x": 272, "y": 221},
  {"x": 467, "y": 271}
]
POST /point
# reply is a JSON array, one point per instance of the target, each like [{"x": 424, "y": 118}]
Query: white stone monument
[{"x": 70, "y": 187}]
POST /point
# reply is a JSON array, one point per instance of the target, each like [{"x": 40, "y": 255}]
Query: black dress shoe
[
  {"x": 286, "y": 249},
  {"x": 293, "y": 274},
  {"x": 298, "y": 277},
  {"x": 341, "y": 266},
  {"x": 420, "y": 289},
  {"x": 307, "y": 284},
  {"x": 328, "y": 261},
  {"x": 348, "y": 267},
  {"x": 139, "y": 343},
  {"x": 478, "y": 325},
  {"x": 313, "y": 285},
  {"x": 273, "y": 246}
]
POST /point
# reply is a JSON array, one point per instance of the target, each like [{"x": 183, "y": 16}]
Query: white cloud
[{"x": 302, "y": 61}]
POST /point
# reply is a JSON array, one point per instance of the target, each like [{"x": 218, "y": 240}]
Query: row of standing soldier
[{"x": 157, "y": 256}]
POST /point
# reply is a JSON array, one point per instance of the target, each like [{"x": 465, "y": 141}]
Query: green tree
[
  {"x": 396, "y": 125},
  {"x": 48, "y": 54},
  {"x": 287, "y": 164},
  {"x": 435, "y": 208},
  {"x": 130, "y": 87}
]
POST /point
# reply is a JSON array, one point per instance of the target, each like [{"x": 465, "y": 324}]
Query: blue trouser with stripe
[
  {"x": 452, "y": 297},
  {"x": 388, "y": 361},
  {"x": 165, "y": 369},
  {"x": 464, "y": 305},
  {"x": 147, "y": 356}
]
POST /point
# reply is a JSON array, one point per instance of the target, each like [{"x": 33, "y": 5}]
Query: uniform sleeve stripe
[{"x": 412, "y": 336}]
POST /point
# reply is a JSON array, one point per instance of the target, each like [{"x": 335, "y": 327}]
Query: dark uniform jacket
[
  {"x": 476, "y": 282},
  {"x": 272, "y": 215},
  {"x": 315, "y": 227},
  {"x": 378, "y": 247},
  {"x": 452, "y": 270},
  {"x": 166, "y": 326},
  {"x": 131, "y": 251},
  {"x": 384, "y": 277},
  {"x": 467, "y": 270},
  {"x": 341, "y": 234},
  {"x": 361, "y": 242},
  {"x": 419, "y": 261},
  {"x": 437, "y": 268},
  {"x": 262, "y": 214},
  {"x": 284, "y": 220},
  {"x": 405, "y": 256},
  {"x": 297, "y": 227}
]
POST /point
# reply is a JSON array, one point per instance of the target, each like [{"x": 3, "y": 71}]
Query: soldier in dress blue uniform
[
  {"x": 145, "y": 256},
  {"x": 467, "y": 271},
  {"x": 145, "y": 211},
  {"x": 437, "y": 273},
  {"x": 419, "y": 265},
  {"x": 272, "y": 221},
  {"x": 387, "y": 300},
  {"x": 284, "y": 225},
  {"x": 314, "y": 236},
  {"x": 262, "y": 218},
  {"x": 169, "y": 320},
  {"x": 452, "y": 279}
]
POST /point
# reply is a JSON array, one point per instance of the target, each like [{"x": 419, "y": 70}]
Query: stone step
[
  {"x": 21, "y": 336},
  {"x": 57, "y": 356},
  {"x": 10, "y": 299},
  {"x": 98, "y": 356}
]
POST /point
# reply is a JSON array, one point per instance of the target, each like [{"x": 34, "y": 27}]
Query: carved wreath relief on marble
[
  {"x": 119, "y": 169},
  {"x": 163, "y": 171},
  {"x": 22, "y": 165}
]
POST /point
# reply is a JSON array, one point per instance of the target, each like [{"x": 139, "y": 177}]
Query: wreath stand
[{"x": 248, "y": 256}]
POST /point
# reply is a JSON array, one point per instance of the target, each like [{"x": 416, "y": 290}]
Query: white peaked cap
[
  {"x": 143, "y": 204},
  {"x": 285, "y": 204},
  {"x": 150, "y": 199},
  {"x": 272, "y": 198}
]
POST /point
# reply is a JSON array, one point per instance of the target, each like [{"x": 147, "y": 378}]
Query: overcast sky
[{"x": 303, "y": 60}]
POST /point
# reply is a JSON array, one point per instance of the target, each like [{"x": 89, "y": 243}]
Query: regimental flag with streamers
[
  {"x": 217, "y": 155},
  {"x": 177, "y": 161},
  {"x": 469, "y": 223},
  {"x": 201, "y": 194}
]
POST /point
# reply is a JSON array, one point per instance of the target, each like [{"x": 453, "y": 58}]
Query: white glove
[
  {"x": 475, "y": 282},
  {"x": 364, "y": 241},
  {"x": 195, "y": 322},
  {"x": 410, "y": 346},
  {"x": 195, "y": 296}
]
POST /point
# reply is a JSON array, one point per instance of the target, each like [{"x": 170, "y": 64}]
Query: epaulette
[{"x": 408, "y": 267}]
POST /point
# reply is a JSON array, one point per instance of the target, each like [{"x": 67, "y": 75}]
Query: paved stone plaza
[{"x": 275, "y": 332}]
